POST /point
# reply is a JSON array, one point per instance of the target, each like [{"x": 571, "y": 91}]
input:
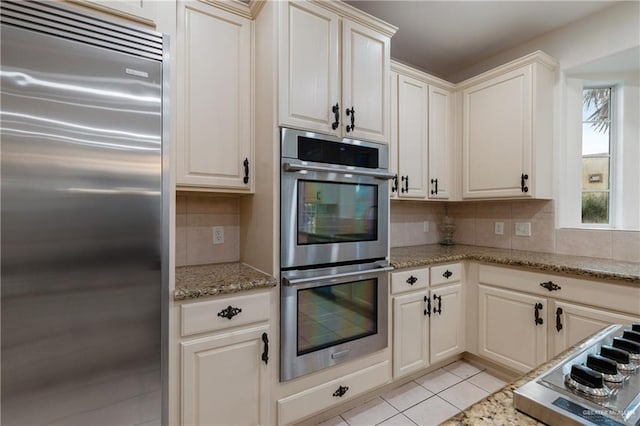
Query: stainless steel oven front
[
  {"x": 331, "y": 315},
  {"x": 334, "y": 200}
]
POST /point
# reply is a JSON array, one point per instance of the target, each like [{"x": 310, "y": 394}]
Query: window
[{"x": 597, "y": 130}]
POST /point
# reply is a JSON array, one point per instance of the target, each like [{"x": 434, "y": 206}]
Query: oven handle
[
  {"x": 292, "y": 167},
  {"x": 296, "y": 281}
]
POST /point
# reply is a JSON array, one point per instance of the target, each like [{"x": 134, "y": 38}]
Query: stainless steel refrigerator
[{"x": 83, "y": 219}]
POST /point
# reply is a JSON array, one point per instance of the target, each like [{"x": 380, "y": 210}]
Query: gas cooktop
[{"x": 598, "y": 384}]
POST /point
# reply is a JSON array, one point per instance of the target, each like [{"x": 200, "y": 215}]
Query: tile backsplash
[
  {"x": 476, "y": 225},
  {"x": 196, "y": 215}
]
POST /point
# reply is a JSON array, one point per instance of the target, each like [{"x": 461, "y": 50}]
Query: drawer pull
[
  {"x": 447, "y": 274},
  {"x": 549, "y": 285},
  {"x": 437, "y": 310},
  {"x": 341, "y": 391},
  {"x": 411, "y": 280},
  {"x": 558, "y": 319},
  {"x": 229, "y": 312}
]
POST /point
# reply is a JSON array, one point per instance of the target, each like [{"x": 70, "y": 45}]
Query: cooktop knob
[
  {"x": 617, "y": 355},
  {"x": 626, "y": 345},
  {"x": 635, "y": 327},
  {"x": 586, "y": 376},
  {"x": 602, "y": 365},
  {"x": 632, "y": 335}
]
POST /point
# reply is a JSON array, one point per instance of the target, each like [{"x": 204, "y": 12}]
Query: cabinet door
[
  {"x": 496, "y": 138},
  {"x": 214, "y": 98},
  {"x": 393, "y": 137},
  {"x": 412, "y": 137},
  {"x": 410, "y": 333},
  {"x": 508, "y": 333},
  {"x": 365, "y": 83},
  {"x": 572, "y": 323},
  {"x": 447, "y": 332},
  {"x": 309, "y": 73},
  {"x": 440, "y": 143},
  {"x": 140, "y": 10},
  {"x": 224, "y": 380}
]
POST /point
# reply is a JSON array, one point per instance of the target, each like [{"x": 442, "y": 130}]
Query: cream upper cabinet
[
  {"x": 507, "y": 130},
  {"x": 144, "y": 11},
  {"x": 440, "y": 143},
  {"x": 412, "y": 137},
  {"x": 394, "y": 187},
  {"x": 334, "y": 72},
  {"x": 215, "y": 119},
  {"x": 512, "y": 327},
  {"x": 573, "y": 323}
]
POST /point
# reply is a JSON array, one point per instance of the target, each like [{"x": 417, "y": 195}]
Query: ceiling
[{"x": 446, "y": 37}]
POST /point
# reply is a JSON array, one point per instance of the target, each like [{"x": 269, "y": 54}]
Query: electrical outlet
[
  {"x": 425, "y": 226},
  {"x": 499, "y": 228},
  {"x": 523, "y": 229},
  {"x": 218, "y": 234}
]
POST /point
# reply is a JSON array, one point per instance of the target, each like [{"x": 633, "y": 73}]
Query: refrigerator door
[{"x": 81, "y": 146}]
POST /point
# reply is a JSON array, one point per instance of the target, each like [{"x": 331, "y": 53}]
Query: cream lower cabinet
[
  {"x": 447, "y": 332},
  {"x": 225, "y": 379},
  {"x": 214, "y": 146},
  {"x": 573, "y": 323},
  {"x": 427, "y": 323},
  {"x": 226, "y": 361},
  {"x": 512, "y": 327}
]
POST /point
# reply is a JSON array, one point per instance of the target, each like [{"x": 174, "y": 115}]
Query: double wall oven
[{"x": 334, "y": 250}]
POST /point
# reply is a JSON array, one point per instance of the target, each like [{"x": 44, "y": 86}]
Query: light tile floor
[{"x": 428, "y": 400}]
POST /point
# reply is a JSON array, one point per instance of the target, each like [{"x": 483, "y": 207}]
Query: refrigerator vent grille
[{"x": 54, "y": 19}]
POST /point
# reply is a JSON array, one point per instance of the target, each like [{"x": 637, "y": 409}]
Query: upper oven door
[{"x": 331, "y": 212}]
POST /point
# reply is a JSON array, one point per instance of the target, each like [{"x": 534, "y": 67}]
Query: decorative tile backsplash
[
  {"x": 475, "y": 223},
  {"x": 196, "y": 215}
]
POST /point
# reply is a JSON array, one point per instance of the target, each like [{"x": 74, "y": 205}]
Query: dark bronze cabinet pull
[
  {"x": 405, "y": 180},
  {"x": 537, "y": 308},
  {"x": 411, "y": 280},
  {"x": 394, "y": 186},
  {"x": 336, "y": 114},
  {"x": 558, "y": 319},
  {"x": 428, "y": 311},
  {"x": 265, "y": 351},
  {"x": 439, "y": 309},
  {"x": 351, "y": 112},
  {"x": 341, "y": 391},
  {"x": 549, "y": 285},
  {"x": 447, "y": 274},
  {"x": 229, "y": 312},
  {"x": 246, "y": 170},
  {"x": 434, "y": 181},
  {"x": 523, "y": 178}
]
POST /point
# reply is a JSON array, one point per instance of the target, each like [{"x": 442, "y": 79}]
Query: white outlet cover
[
  {"x": 218, "y": 234},
  {"x": 425, "y": 226},
  {"x": 523, "y": 229},
  {"x": 499, "y": 228}
]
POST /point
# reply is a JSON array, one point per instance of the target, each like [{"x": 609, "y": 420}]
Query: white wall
[{"x": 612, "y": 30}]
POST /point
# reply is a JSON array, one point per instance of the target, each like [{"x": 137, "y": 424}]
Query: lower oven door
[{"x": 331, "y": 315}]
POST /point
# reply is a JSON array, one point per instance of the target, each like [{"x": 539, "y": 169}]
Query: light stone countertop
[
  {"x": 197, "y": 281},
  {"x": 588, "y": 267}
]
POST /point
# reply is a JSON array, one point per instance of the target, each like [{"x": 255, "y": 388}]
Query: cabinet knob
[
  {"x": 447, "y": 274},
  {"x": 549, "y": 285},
  {"x": 411, "y": 280},
  {"x": 229, "y": 312},
  {"x": 341, "y": 391}
]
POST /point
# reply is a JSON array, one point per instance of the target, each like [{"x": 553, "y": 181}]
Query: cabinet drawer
[
  {"x": 409, "y": 280},
  {"x": 213, "y": 315},
  {"x": 445, "y": 274},
  {"x": 324, "y": 396}
]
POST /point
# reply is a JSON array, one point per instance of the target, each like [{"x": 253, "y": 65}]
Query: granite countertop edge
[
  {"x": 197, "y": 281},
  {"x": 548, "y": 262}
]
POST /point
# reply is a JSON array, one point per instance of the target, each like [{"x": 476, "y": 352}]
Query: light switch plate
[
  {"x": 425, "y": 226},
  {"x": 523, "y": 229},
  {"x": 499, "y": 228}
]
